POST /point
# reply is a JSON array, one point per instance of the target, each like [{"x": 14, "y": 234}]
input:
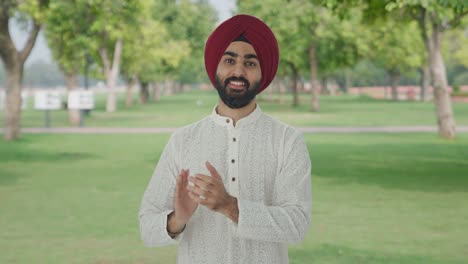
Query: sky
[{"x": 41, "y": 51}]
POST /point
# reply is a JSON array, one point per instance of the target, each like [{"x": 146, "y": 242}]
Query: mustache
[{"x": 241, "y": 79}]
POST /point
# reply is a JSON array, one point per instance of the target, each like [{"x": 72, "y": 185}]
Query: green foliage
[
  {"x": 300, "y": 24},
  {"x": 283, "y": 17},
  {"x": 188, "y": 22},
  {"x": 68, "y": 33},
  {"x": 396, "y": 46}
]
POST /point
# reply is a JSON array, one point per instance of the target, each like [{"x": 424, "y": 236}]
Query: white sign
[
  {"x": 80, "y": 100},
  {"x": 47, "y": 100},
  {"x": 24, "y": 100}
]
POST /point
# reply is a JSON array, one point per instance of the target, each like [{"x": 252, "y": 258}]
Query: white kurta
[{"x": 263, "y": 162}]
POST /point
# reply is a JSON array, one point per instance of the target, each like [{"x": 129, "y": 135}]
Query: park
[{"x": 389, "y": 171}]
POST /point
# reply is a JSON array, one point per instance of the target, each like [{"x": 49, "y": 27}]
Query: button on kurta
[
  {"x": 233, "y": 178},
  {"x": 234, "y": 139},
  {"x": 233, "y": 160},
  {"x": 227, "y": 120}
]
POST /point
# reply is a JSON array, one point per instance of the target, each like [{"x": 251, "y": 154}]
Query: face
[{"x": 238, "y": 75}]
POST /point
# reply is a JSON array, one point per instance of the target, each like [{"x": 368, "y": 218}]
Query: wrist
[
  {"x": 174, "y": 225},
  {"x": 231, "y": 209}
]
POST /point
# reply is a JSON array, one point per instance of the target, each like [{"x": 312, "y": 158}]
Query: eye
[
  {"x": 250, "y": 64},
  {"x": 229, "y": 61}
]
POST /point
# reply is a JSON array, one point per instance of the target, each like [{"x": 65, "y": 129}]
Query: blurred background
[{"x": 91, "y": 90}]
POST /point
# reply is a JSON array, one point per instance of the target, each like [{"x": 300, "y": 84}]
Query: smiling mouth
[{"x": 237, "y": 85}]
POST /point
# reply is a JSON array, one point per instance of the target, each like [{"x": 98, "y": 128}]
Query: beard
[{"x": 236, "y": 99}]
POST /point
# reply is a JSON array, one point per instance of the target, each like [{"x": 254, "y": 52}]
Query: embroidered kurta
[{"x": 263, "y": 162}]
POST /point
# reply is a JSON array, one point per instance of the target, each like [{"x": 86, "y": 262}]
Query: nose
[{"x": 239, "y": 70}]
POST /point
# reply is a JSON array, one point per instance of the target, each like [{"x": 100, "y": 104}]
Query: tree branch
[
  {"x": 24, "y": 53},
  {"x": 105, "y": 61},
  {"x": 457, "y": 18}
]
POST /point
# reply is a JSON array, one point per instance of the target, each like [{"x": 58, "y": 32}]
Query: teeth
[{"x": 237, "y": 83}]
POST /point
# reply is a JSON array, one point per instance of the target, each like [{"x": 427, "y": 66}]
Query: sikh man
[{"x": 234, "y": 187}]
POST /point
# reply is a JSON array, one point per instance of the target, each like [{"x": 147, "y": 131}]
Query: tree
[
  {"x": 67, "y": 33},
  {"x": 396, "y": 47},
  {"x": 150, "y": 51},
  {"x": 283, "y": 19},
  {"x": 310, "y": 38},
  {"x": 190, "y": 22},
  {"x": 434, "y": 18},
  {"x": 110, "y": 21},
  {"x": 32, "y": 13}
]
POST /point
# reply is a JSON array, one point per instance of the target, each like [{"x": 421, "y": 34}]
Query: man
[{"x": 234, "y": 187}]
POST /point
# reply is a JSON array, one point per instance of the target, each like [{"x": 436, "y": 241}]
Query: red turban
[{"x": 256, "y": 32}]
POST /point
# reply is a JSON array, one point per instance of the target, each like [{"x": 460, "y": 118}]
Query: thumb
[{"x": 212, "y": 170}]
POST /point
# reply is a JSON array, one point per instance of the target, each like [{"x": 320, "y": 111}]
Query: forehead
[{"x": 242, "y": 48}]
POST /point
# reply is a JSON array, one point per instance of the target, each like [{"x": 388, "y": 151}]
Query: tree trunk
[
  {"x": 12, "y": 111},
  {"x": 169, "y": 87},
  {"x": 347, "y": 82},
  {"x": 293, "y": 84},
  {"x": 156, "y": 92},
  {"x": 315, "y": 87},
  {"x": 112, "y": 72},
  {"x": 300, "y": 86},
  {"x": 129, "y": 91},
  {"x": 394, "y": 81},
  {"x": 425, "y": 82},
  {"x": 442, "y": 100},
  {"x": 72, "y": 85},
  {"x": 270, "y": 91},
  {"x": 425, "y": 68},
  {"x": 324, "y": 90},
  {"x": 13, "y": 62},
  {"x": 144, "y": 92},
  {"x": 282, "y": 91}
]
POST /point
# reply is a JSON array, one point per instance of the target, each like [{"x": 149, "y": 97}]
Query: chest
[{"x": 247, "y": 162}]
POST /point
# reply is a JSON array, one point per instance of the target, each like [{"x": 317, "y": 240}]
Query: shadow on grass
[
  {"x": 330, "y": 254},
  {"x": 415, "y": 167},
  {"x": 12, "y": 156},
  {"x": 8, "y": 177},
  {"x": 21, "y": 151},
  {"x": 25, "y": 155}
]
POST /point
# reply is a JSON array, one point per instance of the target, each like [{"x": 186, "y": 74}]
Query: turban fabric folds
[{"x": 256, "y": 32}]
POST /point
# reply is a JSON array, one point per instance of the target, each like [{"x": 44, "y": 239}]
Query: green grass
[
  {"x": 378, "y": 198},
  {"x": 181, "y": 109}
]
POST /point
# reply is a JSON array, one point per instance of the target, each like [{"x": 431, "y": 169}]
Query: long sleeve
[
  {"x": 157, "y": 200},
  {"x": 288, "y": 218}
]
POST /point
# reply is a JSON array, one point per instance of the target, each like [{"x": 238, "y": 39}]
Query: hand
[
  {"x": 184, "y": 207},
  {"x": 210, "y": 192}
]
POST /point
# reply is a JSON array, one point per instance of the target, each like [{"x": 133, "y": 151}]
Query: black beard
[{"x": 240, "y": 100}]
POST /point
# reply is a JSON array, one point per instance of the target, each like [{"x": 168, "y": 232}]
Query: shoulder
[
  {"x": 280, "y": 128},
  {"x": 181, "y": 134}
]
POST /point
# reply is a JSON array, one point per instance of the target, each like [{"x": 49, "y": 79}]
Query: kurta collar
[{"x": 228, "y": 122}]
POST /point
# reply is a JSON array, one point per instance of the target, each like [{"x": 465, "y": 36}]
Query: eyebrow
[{"x": 235, "y": 55}]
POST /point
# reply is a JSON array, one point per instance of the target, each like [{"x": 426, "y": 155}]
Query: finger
[
  {"x": 204, "y": 183},
  {"x": 212, "y": 170},
  {"x": 183, "y": 176},
  {"x": 206, "y": 178},
  {"x": 199, "y": 191},
  {"x": 197, "y": 198}
]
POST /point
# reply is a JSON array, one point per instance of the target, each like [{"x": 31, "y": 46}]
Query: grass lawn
[
  {"x": 378, "y": 198},
  {"x": 181, "y": 109}
]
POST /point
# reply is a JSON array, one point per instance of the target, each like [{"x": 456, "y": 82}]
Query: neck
[{"x": 235, "y": 114}]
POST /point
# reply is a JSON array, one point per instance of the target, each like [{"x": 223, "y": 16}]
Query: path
[{"x": 124, "y": 130}]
